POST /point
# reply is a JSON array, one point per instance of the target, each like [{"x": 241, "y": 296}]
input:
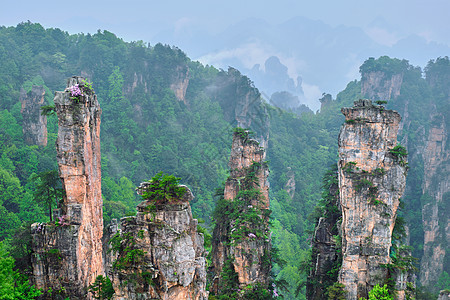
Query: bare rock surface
[
  {"x": 67, "y": 256},
  {"x": 371, "y": 182},
  {"x": 170, "y": 261},
  {"x": 247, "y": 251},
  {"x": 34, "y": 124}
]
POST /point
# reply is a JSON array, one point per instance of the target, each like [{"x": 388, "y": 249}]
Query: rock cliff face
[
  {"x": 380, "y": 86},
  {"x": 436, "y": 188},
  {"x": 34, "y": 124},
  {"x": 430, "y": 180},
  {"x": 326, "y": 257},
  {"x": 372, "y": 178},
  {"x": 241, "y": 241},
  {"x": 180, "y": 84},
  {"x": 242, "y": 104},
  {"x": 167, "y": 255},
  {"x": 67, "y": 256}
]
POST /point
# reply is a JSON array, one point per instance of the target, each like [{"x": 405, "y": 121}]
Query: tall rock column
[
  {"x": 34, "y": 123},
  {"x": 372, "y": 178},
  {"x": 241, "y": 240},
  {"x": 68, "y": 254},
  {"x": 436, "y": 188}
]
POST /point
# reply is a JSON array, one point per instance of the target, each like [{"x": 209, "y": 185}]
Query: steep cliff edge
[
  {"x": 34, "y": 124},
  {"x": 67, "y": 255},
  {"x": 158, "y": 254},
  {"x": 372, "y": 178},
  {"x": 241, "y": 256},
  {"x": 424, "y": 105},
  {"x": 326, "y": 255}
]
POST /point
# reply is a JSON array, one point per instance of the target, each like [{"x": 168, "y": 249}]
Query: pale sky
[{"x": 144, "y": 19}]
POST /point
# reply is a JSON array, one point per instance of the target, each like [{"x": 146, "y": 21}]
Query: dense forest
[{"x": 165, "y": 112}]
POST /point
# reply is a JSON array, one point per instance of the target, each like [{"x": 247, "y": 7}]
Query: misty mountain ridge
[{"x": 325, "y": 57}]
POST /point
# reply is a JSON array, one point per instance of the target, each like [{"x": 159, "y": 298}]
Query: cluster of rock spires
[
  {"x": 67, "y": 255},
  {"x": 166, "y": 250}
]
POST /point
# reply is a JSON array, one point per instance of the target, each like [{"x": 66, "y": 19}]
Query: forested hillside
[{"x": 164, "y": 112}]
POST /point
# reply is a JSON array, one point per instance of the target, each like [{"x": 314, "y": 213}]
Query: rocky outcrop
[
  {"x": 180, "y": 83},
  {"x": 158, "y": 254},
  {"x": 67, "y": 255},
  {"x": 289, "y": 187},
  {"x": 444, "y": 295},
  {"x": 436, "y": 188},
  {"x": 379, "y": 85},
  {"x": 326, "y": 257},
  {"x": 372, "y": 178},
  {"x": 34, "y": 123},
  {"x": 241, "y": 240}
]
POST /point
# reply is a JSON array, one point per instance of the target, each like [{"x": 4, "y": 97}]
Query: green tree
[
  {"x": 13, "y": 285},
  {"x": 102, "y": 288},
  {"x": 48, "y": 189},
  {"x": 379, "y": 293}
]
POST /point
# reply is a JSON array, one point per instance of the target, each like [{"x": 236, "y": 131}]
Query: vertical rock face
[
  {"x": 242, "y": 104},
  {"x": 241, "y": 241},
  {"x": 371, "y": 181},
  {"x": 68, "y": 256},
  {"x": 380, "y": 86},
  {"x": 326, "y": 257},
  {"x": 34, "y": 124},
  {"x": 167, "y": 254},
  {"x": 436, "y": 187},
  {"x": 180, "y": 83}
]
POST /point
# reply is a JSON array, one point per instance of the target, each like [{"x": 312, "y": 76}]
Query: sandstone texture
[
  {"x": 34, "y": 124},
  {"x": 169, "y": 260},
  {"x": 67, "y": 256},
  {"x": 180, "y": 83},
  {"x": 436, "y": 186},
  {"x": 371, "y": 182},
  {"x": 245, "y": 244},
  {"x": 326, "y": 256},
  {"x": 380, "y": 86}
]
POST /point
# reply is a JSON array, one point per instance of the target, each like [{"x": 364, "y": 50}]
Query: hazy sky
[{"x": 144, "y": 19}]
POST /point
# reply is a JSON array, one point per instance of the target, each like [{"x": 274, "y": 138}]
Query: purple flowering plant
[
  {"x": 78, "y": 90},
  {"x": 75, "y": 92},
  {"x": 62, "y": 221},
  {"x": 251, "y": 235}
]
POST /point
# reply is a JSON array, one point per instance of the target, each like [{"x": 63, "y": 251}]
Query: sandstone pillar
[
  {"x": 241, "y": 238},
  {"x": 168, "y": 257},
  {"x": 68, "y": 254},
  {"x": 371, "y": 181}
]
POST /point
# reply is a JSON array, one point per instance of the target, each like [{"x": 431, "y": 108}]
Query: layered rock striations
[
  {"x": 67, "y": 255},
  {"x": 158, "y": 254},
  {"x": 241, "y": 258},
  {"x": 326, "y": 256},
  {"x": 424, "y": 131},
  {"x": 372, "y": 178},
  {"x": 34, "y": 123},
  {"x": 379, "y": 85},
  {"x": 436, "y": 190}
]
